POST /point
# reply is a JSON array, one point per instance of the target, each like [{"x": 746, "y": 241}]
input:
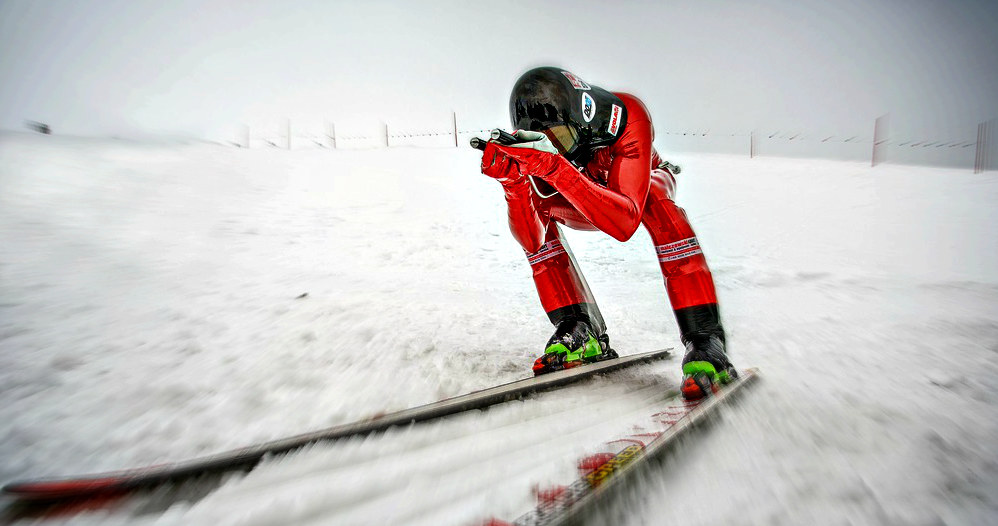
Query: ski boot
[
  {"x": 574, "y": 343},
  {"x": 706, "y": 364}
]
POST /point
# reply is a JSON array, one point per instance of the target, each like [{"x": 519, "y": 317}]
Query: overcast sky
[{"x": 204, "y": 67}]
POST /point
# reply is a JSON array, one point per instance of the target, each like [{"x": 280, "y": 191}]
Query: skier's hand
[
  {"x": 534, "y": 140},
  {"x": 537, "y": 157},
  {"x": 498, "y": 165}
]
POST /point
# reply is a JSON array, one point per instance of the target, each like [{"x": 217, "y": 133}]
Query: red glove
[{"x": 497, "y": 164}]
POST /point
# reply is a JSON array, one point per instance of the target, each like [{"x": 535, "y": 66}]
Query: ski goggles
[{"x": 563, "y": 136}]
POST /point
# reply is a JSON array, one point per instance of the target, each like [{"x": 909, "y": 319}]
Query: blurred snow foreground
[{"x": 153, "y": 307}]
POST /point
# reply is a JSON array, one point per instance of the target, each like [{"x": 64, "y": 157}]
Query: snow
[{"x": 160, "y": 301}]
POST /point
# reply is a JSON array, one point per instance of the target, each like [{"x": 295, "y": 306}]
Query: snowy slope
[{"x": 150, "y": 311}]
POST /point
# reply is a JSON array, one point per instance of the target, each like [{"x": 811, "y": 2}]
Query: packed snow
[{"x": 160, "y": 301}]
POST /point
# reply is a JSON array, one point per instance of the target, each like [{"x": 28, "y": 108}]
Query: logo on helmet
[
  {"x": 588, "y": 107},
  {"x": 614, "y": 120},
  {"x": 577, "y": 83}
]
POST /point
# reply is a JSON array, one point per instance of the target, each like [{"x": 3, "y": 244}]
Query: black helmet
[{"x": 576, "y": 116}]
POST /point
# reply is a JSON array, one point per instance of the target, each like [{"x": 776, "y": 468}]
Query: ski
[
  {"x": 101, "y": 485},
  {"x": 603, "y": 473}
]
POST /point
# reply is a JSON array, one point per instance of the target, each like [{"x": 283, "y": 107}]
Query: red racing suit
[{"x": 620, "y": 188}]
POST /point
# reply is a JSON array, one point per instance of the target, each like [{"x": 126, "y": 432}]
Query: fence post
[
  {"x": 455, "y": 128},
  {"x": 387, "y": 143},
  {"x": 881, "y": 133},
  {"x": 331, "y": 134},
  {"x": 751, "y": 148}
]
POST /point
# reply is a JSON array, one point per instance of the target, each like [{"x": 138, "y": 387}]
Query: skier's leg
[
  {"x": 688, "y": 280},
  {"x": 563, "y": 290},
  {"x": 528, "y": 219},
  {"x": 580, "y": 333}
]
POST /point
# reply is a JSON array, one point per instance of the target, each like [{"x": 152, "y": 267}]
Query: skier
[{"x": 584, "y": 159}]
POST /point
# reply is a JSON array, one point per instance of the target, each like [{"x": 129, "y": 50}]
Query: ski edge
[{"x": 61, "y": 488}]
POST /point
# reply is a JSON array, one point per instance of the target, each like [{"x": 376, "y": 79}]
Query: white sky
[{"x": 204, "y": 67}]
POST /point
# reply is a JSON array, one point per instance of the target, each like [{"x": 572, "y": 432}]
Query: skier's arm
[{"x": 615, "y": 209}]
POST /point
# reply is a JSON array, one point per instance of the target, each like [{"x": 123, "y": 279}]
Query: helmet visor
[{"x": 563, "y": 136}]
